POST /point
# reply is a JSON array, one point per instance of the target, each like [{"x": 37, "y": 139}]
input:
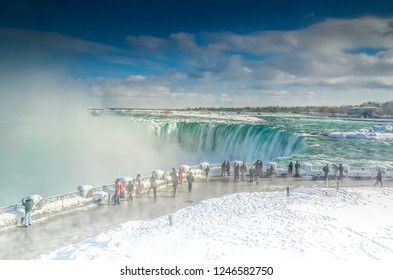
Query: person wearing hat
[{"x": 28, "y": 204}]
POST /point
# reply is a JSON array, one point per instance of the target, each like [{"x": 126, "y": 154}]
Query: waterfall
[{"x": 245, "y": 142}]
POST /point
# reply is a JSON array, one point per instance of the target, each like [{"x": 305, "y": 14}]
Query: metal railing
[{"x": 16, "y": 211}]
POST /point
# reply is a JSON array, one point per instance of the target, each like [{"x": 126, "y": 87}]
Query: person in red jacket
[
  {"x": 181, "y": 176},
  {"x": 122, "y": 188}
]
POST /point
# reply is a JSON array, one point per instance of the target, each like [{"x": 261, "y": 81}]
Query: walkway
[{"x": 27, "y": 243}]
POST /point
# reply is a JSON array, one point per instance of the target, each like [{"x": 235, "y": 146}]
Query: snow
[
  {"x": 351, "y": 223},
  {"x": 375, "y": 132}
]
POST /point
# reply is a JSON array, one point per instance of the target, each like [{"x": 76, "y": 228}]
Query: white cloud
[
  {"x": 136, "y": 78},
  {"x": 328, "y": 56},
  {"x": 184, "y": 40},
  {"x": 385, "y": 57},
  {"x": 246, "y": 70},
  {"x": 323, "y": 49},
  {"x": 147, "y": 42},
  {"x": 56, "y": 42}
]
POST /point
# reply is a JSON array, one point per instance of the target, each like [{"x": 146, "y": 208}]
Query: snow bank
[
  {"x": 312, "y": 223},
  {"x": 375, "y": 132}
]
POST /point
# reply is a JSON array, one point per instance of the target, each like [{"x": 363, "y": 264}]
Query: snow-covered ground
[{"x": 311, "y": 224}]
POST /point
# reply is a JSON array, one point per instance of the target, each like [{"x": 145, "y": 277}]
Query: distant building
[{"x": 362, "y": 112}]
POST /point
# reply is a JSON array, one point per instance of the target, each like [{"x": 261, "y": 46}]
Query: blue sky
[{"x": 176, "y": 54}]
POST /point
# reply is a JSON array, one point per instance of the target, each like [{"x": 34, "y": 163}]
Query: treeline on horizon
[{"x": 381, "y": 109}]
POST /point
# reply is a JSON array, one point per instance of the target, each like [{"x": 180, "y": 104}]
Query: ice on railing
[
  {"x": 159, "y": 174},
  {"x": 85, "y": 191},
  {"x": 44, "y": 208},
  {"x": 185, "y": 168}
]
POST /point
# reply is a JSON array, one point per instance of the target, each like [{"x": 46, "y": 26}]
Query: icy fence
[{"x": 86, "y": 196}]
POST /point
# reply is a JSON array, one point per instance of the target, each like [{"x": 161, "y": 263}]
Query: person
[
  {"x": 379, "y": 178},
  {"x": 271, "y": 172},
  {"x": 28, "y": 203},
  {"x": 130, "y": 190},
  {"x": 243, "y": 170},
  {"x": 122, "y": 188},
  {"x": 290, "y": 169},
  {"x": 190, "y": 180},
  {"x": 335, "y": 170},
  {"x": 236, "y": 172},
  {"x": 139, "y": 184},
  {"x": 341, "y": 170},
  {"x": 181, "y": 176},
  {"x": 116, "y": 197},
  {"x": 228, "y": 168},
  {"x": 207, "y": 172},
  {"x": 223, "y": 168},
  {"x": 252, "y": 172},
  {"x": 326, "y": 170},
  {"x": 258, "y": 165},
  {"x": 153, "y": 186},
  {"x": 174, "y": 181},
  {"x": 297, "y": 169}
]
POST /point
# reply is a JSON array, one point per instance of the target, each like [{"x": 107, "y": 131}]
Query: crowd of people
[
  {"x": 240, "y": 170},
  {"x": 136, "y": 186}
]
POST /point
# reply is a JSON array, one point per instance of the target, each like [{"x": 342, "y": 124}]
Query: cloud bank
[{"x": 339, "y": 61}]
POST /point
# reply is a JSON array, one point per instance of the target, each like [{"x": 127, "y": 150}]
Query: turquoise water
[
  {"x": 54, "y": 155},
  {"x": 321, "y": 149}
]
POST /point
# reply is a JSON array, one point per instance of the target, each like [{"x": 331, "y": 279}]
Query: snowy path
[
  {"x": 352, "y": 224},
  {"x": 311, "y": 222},
  {"x": 22, "y": 243}
]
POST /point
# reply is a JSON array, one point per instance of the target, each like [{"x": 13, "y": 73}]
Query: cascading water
[{"x": 245, "y": 142}]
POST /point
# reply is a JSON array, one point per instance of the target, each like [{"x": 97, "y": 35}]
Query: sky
[{"x": 186, "y": 54}]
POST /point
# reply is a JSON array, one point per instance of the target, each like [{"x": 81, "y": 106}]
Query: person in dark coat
[
  {"x": 190, "y": 180},
  {"x": 130, "y": 189},
  {"x": 341, "y": 170},
  {"x": 326, "y": 170},
  {"x": 290, "y": 169},
  {"x": 28, "y": 203},
  {"x": 252, "y": 172},
  {"x": 243, "y": 170},
  {"x": 223, "y": 168},
  {"x": 297, "y": 169},
  {"x": 236, "y": 171},
  {"x": 175, "y": 181},
  {"x": 270, "y": 172},
  {"x": 228, "y": 168},
  {"x": 258, "y": 166},
  {"x": 153, "y": 186},
  {"x": 207, "y": 172},
  {"x": 379, "y": 178}
]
